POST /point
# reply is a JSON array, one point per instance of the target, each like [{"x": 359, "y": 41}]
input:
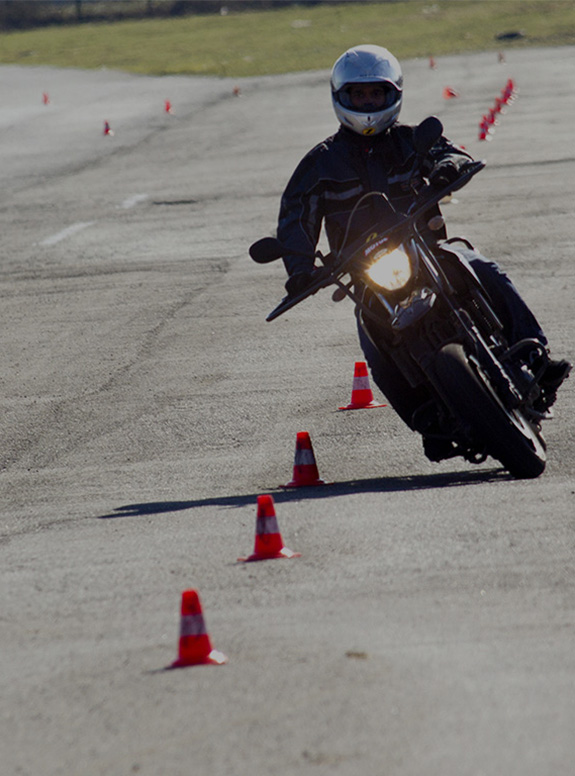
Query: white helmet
[{"x": 366, "y": 65}]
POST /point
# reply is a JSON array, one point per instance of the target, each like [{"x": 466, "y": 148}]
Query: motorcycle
[{"x": 421, "y": 304}]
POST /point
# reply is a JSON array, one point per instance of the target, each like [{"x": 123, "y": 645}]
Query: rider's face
[{"x": 367, "y": 96}]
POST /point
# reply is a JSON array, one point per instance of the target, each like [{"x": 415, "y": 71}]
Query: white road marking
[
  {"x": 68, "y": 232},
  {"x": 133, "y": 200}
]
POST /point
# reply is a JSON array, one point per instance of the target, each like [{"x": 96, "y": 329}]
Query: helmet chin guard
[{"x": 366, "y": 65}]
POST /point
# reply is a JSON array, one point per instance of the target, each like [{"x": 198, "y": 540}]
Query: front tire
[{"x": 506, "y": 434}]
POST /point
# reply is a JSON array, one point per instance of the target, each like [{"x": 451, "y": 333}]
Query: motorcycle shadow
[{"x": 328, "y": 490}]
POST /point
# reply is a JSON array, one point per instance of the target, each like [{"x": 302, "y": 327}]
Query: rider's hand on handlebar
[{"x": 443, "y": 175}]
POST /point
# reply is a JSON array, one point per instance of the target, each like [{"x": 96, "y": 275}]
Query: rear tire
[{"x": 506, "y": 434}]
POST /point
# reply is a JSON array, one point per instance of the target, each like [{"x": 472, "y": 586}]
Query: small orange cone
[
  {"x": 168, "y": 107},
  {"x": 46, "y": 98},
  {"x": 269, "y": 543},
  {"x": 195, "y": 647},
  {"x": 484, "y": 133},
  {"x": 361, "y": 394},
  {"x": 509, "y": 91},
  {"x": 305, "y": 471},
  {"x": 491, "y": 117},
  {"x": 449, "y": 93}
]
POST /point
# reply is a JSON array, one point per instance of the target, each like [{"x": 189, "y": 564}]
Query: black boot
[
  {"x": 556, "y": 372},
  {"x": 437, "y": 449}
]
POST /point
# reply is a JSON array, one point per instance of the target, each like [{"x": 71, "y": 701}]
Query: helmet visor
[{"x": 368, "y": 97}]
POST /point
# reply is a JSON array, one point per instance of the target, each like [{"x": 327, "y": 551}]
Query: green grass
[{"x": 292, "y": 39}]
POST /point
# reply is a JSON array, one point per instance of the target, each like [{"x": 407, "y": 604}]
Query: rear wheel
[{"x": 506, "y": 434}]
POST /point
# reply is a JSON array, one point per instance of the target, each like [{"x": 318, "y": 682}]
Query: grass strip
[{"x": 293, "y": 38}]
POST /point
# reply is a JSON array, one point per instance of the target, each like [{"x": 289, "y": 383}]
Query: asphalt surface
[{"x": 428, "y": 626}]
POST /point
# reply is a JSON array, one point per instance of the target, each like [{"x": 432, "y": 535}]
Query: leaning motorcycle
[{"x": 421, "y": 304}]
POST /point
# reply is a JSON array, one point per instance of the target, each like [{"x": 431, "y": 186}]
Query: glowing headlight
[{"x": 391, "y": 271}]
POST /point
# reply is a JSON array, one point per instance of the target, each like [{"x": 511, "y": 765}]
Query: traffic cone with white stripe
[
  {"x": 195, "y": 647},
  {"x": 509, "y": 91},
  {"x": 361, "y": 394},
  {"x": 449, "y": 93},
  {"x": 269, "y": 543},
  {"x": 305, "y": 472}
]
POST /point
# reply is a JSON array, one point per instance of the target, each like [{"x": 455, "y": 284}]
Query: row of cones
[
  {"x": 195, "y": 647},
  {"x": 108, "y": 130},
  {"x": 489, "y": 120},
  {"x": 305, "y": 471},
  {"x": 167, "y": 108}
]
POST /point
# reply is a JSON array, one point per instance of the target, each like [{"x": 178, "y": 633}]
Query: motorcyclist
[{"x": 372, "y": 151}]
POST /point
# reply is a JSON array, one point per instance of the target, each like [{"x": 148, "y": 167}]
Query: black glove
[
  {"x": 297, "y": 284},
  {"x": 444, "y": 174}
]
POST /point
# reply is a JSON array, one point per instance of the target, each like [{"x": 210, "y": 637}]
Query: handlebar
[
  {"x": 424, "y": 201},
  {"x": 335, "y": 264}
]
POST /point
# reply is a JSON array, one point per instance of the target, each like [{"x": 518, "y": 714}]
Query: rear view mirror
[
  {"x": 427, "y": 134},
  {"x": 266, "y": 250}
]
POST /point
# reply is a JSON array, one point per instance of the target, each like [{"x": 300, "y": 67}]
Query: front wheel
[{"x": 506, "y": 434}]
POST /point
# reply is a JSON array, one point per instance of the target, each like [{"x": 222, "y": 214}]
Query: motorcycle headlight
[{"x": 391, "y": 271}]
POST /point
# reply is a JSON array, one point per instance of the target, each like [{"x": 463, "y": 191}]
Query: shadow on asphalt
[{"x": 329, "y": 490}]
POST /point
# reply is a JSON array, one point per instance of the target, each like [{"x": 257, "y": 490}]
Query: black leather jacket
[{"x": 332, "y": 177}]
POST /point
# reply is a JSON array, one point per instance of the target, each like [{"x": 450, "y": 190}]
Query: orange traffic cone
[
  {"x": 269, "y": 543},
  {"x": 195, "y": 647},
  {"x": 46, "y": 98},
  {"x": 361, "y": 394},
  {"x": 484, "y": 133},
  {"x": 449, "y": 93},
  {"x": 305, "y": 471},
  {"x": 508, "y": 93},
  {"x": 168, "y": 107}
]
